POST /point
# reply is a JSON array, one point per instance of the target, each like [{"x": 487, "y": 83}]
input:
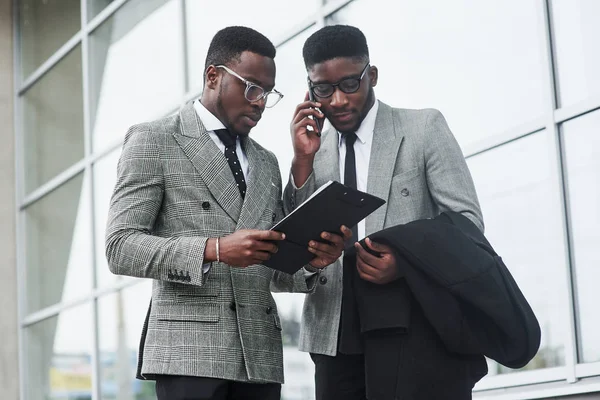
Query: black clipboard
[{"x": 330, "y": 206}]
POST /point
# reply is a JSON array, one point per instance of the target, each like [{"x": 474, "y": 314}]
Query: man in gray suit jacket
[
  {"x": 192, "y": 208},
  {"x": 407, "y": 157}
]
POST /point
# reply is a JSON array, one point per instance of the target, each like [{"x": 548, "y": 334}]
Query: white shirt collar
[
  {"x": 210, "y": 122},
  {"x": 366, "y": 128}
]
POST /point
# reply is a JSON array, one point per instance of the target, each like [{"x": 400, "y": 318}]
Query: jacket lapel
[
  {"x": 259, "y": 186},
  {"x": 327, "y": 161},
  {"x": 386, "y": 143},
  {"x": 209, "y": 161}
]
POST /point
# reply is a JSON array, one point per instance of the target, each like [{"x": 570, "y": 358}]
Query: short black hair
[
  {"x": 229, "y": 43},
  {"x": 335, "y": 41}
]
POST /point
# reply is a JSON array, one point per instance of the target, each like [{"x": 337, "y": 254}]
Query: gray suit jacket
[
  {"x": 174, "y": 191},
  {"x": 417, "y": 166}
]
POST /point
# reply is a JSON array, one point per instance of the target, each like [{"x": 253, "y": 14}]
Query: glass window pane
[
  {"x": 58, "y": 246},
  {"x": 121, "y": 318},
  {"x": 272, "y": 131},
  {"x": 518, "y": 189},
  {"x": 479, "y": 62},
  {"x": 45, "y": 25},
  {"x": 576, "y": 31},
  {"x": 582, "y": 145},
  {"x": 95, "y": 6},
  {"x": 298, "y": 367},
  {"x": 58, "y": 356},
  {"x": 53, "y": 122},
  {"x": 105, "y": 178},
  {"x": 272, "y": 19},
  {"x": 136, "y": 68}
]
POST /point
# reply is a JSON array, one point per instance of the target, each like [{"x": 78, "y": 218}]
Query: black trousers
[
  {"x": 397, "y": 365},
  {"x": 173, "y": 387},
  {"x": 373, "y": 376},
  {"x": 339, "y": 377}
]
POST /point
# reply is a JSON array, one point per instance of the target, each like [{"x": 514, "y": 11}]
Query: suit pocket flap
[
  {"x": 187, "y": 312},
  {"x": 406, "y": 175}
]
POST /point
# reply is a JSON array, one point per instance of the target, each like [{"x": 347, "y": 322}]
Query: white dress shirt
[
  {"x": 212, "y": 123},
  {"x": 362, "y": 152}
]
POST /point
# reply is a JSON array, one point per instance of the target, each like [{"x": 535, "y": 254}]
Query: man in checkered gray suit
[{"x": 192, "y": 208}]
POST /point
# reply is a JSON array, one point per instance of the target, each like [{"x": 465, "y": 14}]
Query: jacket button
[
  {"x": 205, "y": 205},
  {"x": 274, "y": 216},
  {"x": 405, "y": 192},
  {"x": 269, "y": 310},
  {"x": 232, "y": 306},
  {"x": 323, "y": 280}
]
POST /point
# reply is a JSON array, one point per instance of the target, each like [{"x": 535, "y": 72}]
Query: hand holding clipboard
[{"x": 330, "y": 206}]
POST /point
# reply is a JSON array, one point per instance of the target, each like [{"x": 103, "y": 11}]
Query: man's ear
[
  {"x": 212, "y": 77},
  {"x": 373, "y": 75}
]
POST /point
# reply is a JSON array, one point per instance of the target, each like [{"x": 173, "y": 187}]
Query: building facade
[{"x": 518, "y": 81}]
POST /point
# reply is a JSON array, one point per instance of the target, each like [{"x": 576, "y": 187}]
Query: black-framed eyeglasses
[
  {"x": 254, "y": 92},
  {"x": 348, "y": 85}
]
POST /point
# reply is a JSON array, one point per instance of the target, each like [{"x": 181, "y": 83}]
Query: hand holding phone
[{"x": 311, "y": 97}]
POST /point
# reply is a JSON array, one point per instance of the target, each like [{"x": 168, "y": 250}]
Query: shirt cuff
[{"x": 311, "y": 270}]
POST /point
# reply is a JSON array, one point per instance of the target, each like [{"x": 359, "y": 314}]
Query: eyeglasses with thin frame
[
  {"x": 348, "y": 85},
  {"x": 254, "y": 92}
]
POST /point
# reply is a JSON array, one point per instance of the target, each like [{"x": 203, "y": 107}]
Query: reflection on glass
[
  {"x": 58, "y": 356},
  {"x": 576, "y": 31},
  {"x": 53, "y": 122},
  {"x": 582, "y": 144},
  {"x": 136, "y": 68},
  {"x": 45, "y": 25},
  {"x": 479, "y": 63},
  {"x": 518, "y": 189},
  {"x": 95, "y": 6},
  {"x": 121, "y": 318},
  {"x": 272, "y": 19},
  {"x": 58, "y": 246},
  {"x": 105, "y": 178}
]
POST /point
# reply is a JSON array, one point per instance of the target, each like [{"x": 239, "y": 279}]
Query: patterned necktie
[
  {"x": 229, "y": 140},
  {"x": 350, "y": 171}
]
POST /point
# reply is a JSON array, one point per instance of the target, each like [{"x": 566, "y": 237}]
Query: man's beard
[{"x": 362, "y": 116}]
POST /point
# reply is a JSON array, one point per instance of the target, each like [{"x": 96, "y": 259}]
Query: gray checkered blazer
[
  {"x": 175, "y": 190},
  {"x": 417, "y": 166}
]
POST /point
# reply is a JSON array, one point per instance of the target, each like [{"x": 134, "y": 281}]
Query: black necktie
[
  {"x": 349, "y": 338},
  {"x": 350, "y": 171},
  {"x": 229, "y": 140}
]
